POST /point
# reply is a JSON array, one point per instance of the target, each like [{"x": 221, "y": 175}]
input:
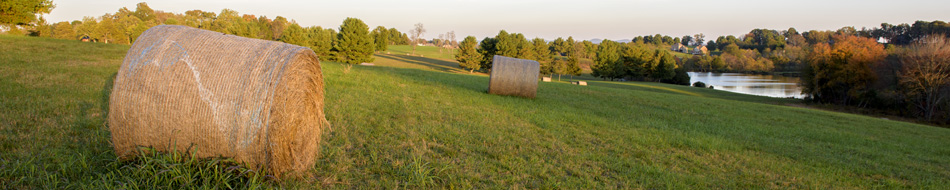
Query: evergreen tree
[
  {"x": 664, "y": 67},
  {"x": 295, "y": 35},
  {"x": 354, "y": 44},
  {"x": 573, "y": 57},
  {"x": 488, "y": 49},
  {"x": 321, "y": 41},
  {"x": 381, "y": 38},
  {"x": 607, "y": 60},
  {"x": 543, "y": 55},
  {"x": 557, "y": 46},
  {"x": 468, "y": 55}
]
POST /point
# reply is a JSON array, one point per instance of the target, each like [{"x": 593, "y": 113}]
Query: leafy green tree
[
  {"x": 686, "y": 39},
  {"x": 225, "y": 22},
  {"x": 681, "y": 77},
  {"x": 698, "y": 38},
  {"x": 791, "y": 32},
  {"x": 468, "y": 55},
  {"x": 381, "y": 38},
  {"x": 354, "y": 44},
  {"x": 23, "y": 12},
  {"x": 279, "y": 25},
  {"x": 712, "y": 46},
  {"x": 143, "y": 12},
  {"x": 762, "y": 39},
  {"x": 63, "y": 30},
  {"x": 732, "y": 49}
]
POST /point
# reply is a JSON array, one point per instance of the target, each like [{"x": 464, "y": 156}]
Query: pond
[{"x": 762, "y": 85}]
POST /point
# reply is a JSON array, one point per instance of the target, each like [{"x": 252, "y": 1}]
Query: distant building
[
  {"x": 700, "y": 50},
  {"x": 85, "y": 39},
  {"x": 678, "y": 47}
]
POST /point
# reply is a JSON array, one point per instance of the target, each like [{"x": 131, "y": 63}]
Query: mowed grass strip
[
  {"x": 421, "y": 51},
  {"x": 418, "y": 128}
]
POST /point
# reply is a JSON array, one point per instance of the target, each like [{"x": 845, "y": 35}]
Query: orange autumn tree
[{"x": 840, "y": 72}]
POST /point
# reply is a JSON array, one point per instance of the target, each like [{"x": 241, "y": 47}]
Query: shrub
[{"x": 699, "y": 84}]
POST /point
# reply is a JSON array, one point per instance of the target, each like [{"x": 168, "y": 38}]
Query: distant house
[
  {"x": 678, "y": 47},
  {"x": 85, "y": 39},
  {"x": 700, "y": 50}
]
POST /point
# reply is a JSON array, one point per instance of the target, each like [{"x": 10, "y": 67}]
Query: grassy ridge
[{"x": 415, "y": 128}]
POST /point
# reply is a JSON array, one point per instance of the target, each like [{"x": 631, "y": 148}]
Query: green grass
[
  {"x": 419, "y": 128},
  {"x": 423, "y": 51}
]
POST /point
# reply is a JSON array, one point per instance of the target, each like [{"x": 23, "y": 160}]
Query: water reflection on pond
[{"x": 762, "y": 85}]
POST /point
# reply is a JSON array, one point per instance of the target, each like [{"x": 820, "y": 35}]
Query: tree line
[
  {"x": 900, "y": 69},
  {"x": 354, "y": 43},
  {"x": 558, "y": 57},
  {"x": 637, "y": 61},
  {"x": 766, "y": 50}
]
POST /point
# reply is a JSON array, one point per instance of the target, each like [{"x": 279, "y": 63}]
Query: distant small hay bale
[
  {"x": 186, "y": 89},
  {"x": 367, "y": 64},
  {"x": 546, "y": 79},
  {"x": 515, "y": 77},
  {"x": 582, "y": 83}
]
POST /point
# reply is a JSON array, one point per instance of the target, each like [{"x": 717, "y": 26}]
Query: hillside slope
[{"x": 414, "y": 128}]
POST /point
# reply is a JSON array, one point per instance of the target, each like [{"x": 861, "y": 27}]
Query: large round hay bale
[
  {"x": 186, "y": 89},
  {"x": 514, "y": 77}
]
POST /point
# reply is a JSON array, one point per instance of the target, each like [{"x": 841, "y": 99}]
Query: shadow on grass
[{"x": 434, "y": 64}]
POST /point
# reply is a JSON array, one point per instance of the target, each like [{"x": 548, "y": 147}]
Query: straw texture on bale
[
  {"x": 216, "y": 95},
  {"x": 514, "y": 77}
]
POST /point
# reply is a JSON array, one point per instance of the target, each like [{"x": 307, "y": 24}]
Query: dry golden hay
[
  {"x": 216, "y": 95},
  {"x": 515, "y": 77}
]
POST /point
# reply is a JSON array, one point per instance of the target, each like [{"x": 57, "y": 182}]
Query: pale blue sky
[{"x": 583, "y": 19}]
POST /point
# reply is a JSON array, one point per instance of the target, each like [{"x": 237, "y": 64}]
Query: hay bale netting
[
  {"x": 515, "y": 77},
  {"x": 186, "y": 89}
]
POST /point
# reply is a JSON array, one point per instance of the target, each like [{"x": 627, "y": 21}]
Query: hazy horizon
[{"x": 584, "y": 20}]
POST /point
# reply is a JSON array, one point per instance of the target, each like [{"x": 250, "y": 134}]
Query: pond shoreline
[{"x": 772, "y": 85}]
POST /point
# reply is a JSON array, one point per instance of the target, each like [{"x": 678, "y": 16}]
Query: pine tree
[
  {"x": 354, "y": 44},
  {"x": 381, "y": 38},
  {"x": 468, "y": 56},
  {"x": 295, "y": 35}
]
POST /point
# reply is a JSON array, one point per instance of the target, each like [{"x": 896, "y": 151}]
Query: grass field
[
  {"x": 422, "y": 128},
  {"x": 424, "y": 51}
]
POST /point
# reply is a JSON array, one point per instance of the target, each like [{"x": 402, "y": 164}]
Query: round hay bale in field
[
  {"x": 186, "y": 89},
  {"x": 514, "y": 77}
]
